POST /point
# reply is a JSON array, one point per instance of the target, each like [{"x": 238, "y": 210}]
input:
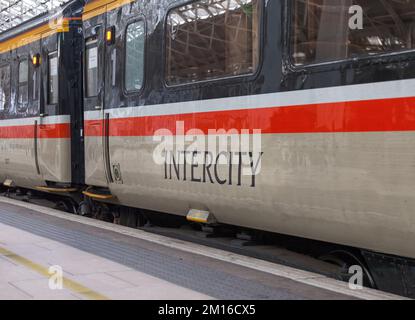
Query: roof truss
[{"x": 15, "y": 12}]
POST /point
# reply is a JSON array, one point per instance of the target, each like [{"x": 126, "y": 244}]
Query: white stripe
[
  {"x": 306, "y": 277},
  {"x": 371, "y": 91},
  {"x": 31, "y": 121}
]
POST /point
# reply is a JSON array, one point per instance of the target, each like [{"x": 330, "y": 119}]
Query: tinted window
[
  {"x": 134, "y": 56},
  {"x": 91, "y": 69},
  {"x": 4, "y": 88},
  {"x": 325, "y": 30},
  {"x": 35, "y": 85},
  {"x": 22, "y": 95},
  {"x": 212, "y": 39},
  {"x": 53, "y": 87}
]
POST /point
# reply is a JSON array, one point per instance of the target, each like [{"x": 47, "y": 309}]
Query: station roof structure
[{"x": 14, "y": 12}]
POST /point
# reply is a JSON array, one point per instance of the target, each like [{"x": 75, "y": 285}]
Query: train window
[
  {"x": 53, "y": 79},
  {"x": 134, "y": 56},
  {"x": 210, "y": 39},
  {"x": 327, "y": 30},
  {"x": 4, "y": 88},
  {"x": 35, "y": 87},
  {"x": 91, "y": 69},
  {"x": 22, "y": 90}
]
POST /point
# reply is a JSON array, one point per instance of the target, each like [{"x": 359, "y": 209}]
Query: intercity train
[{"x": 311, "y": 103}]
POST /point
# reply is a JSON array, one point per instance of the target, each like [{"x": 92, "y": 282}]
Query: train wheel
[
  {"x": 67, "y": 206},
  {"x": 131, "y": 217}
]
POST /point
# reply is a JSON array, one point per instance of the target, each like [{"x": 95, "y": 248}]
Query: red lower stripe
[
  {"x": 396, "y": 114},
  {"x": 44, "y": 131}
]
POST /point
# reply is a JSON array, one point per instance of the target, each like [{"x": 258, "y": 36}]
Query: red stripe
[
  {"x": 45, "y": 131},
  {"x": 396, "y": 114}
]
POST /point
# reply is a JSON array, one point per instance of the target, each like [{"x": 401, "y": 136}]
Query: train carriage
[
  {"x": 309, "y": 106},
  {"x": 41, "y": 100},
  {"x": 335, "y": 117},
  {"x": 330, "y": 90}
]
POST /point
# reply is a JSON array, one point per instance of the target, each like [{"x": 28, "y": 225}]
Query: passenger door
[
  {"x": 34, "y": 101},
  {"x": 124, "y": 95},
  {"x": 96, "y": 173},
  {"x": 48, "y": 78}
]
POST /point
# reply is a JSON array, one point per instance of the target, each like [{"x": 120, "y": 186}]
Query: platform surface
[{"x": 98, "y": 263}]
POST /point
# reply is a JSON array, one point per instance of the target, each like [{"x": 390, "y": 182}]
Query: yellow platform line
[{"x": 67, "y": 283}]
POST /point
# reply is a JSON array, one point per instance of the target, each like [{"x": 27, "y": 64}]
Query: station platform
[{"x": 100, "y": 260}]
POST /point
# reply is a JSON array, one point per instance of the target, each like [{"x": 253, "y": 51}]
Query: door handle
[
  {"x": 106, "y": 145},
  {"x": 35, "y": 134}
]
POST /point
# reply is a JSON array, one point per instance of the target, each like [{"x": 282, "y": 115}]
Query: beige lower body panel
[
  {"x": 356, "y": 189},
  {"x": 94, "y": 162},
  {"x": 18, "y": 163}
]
